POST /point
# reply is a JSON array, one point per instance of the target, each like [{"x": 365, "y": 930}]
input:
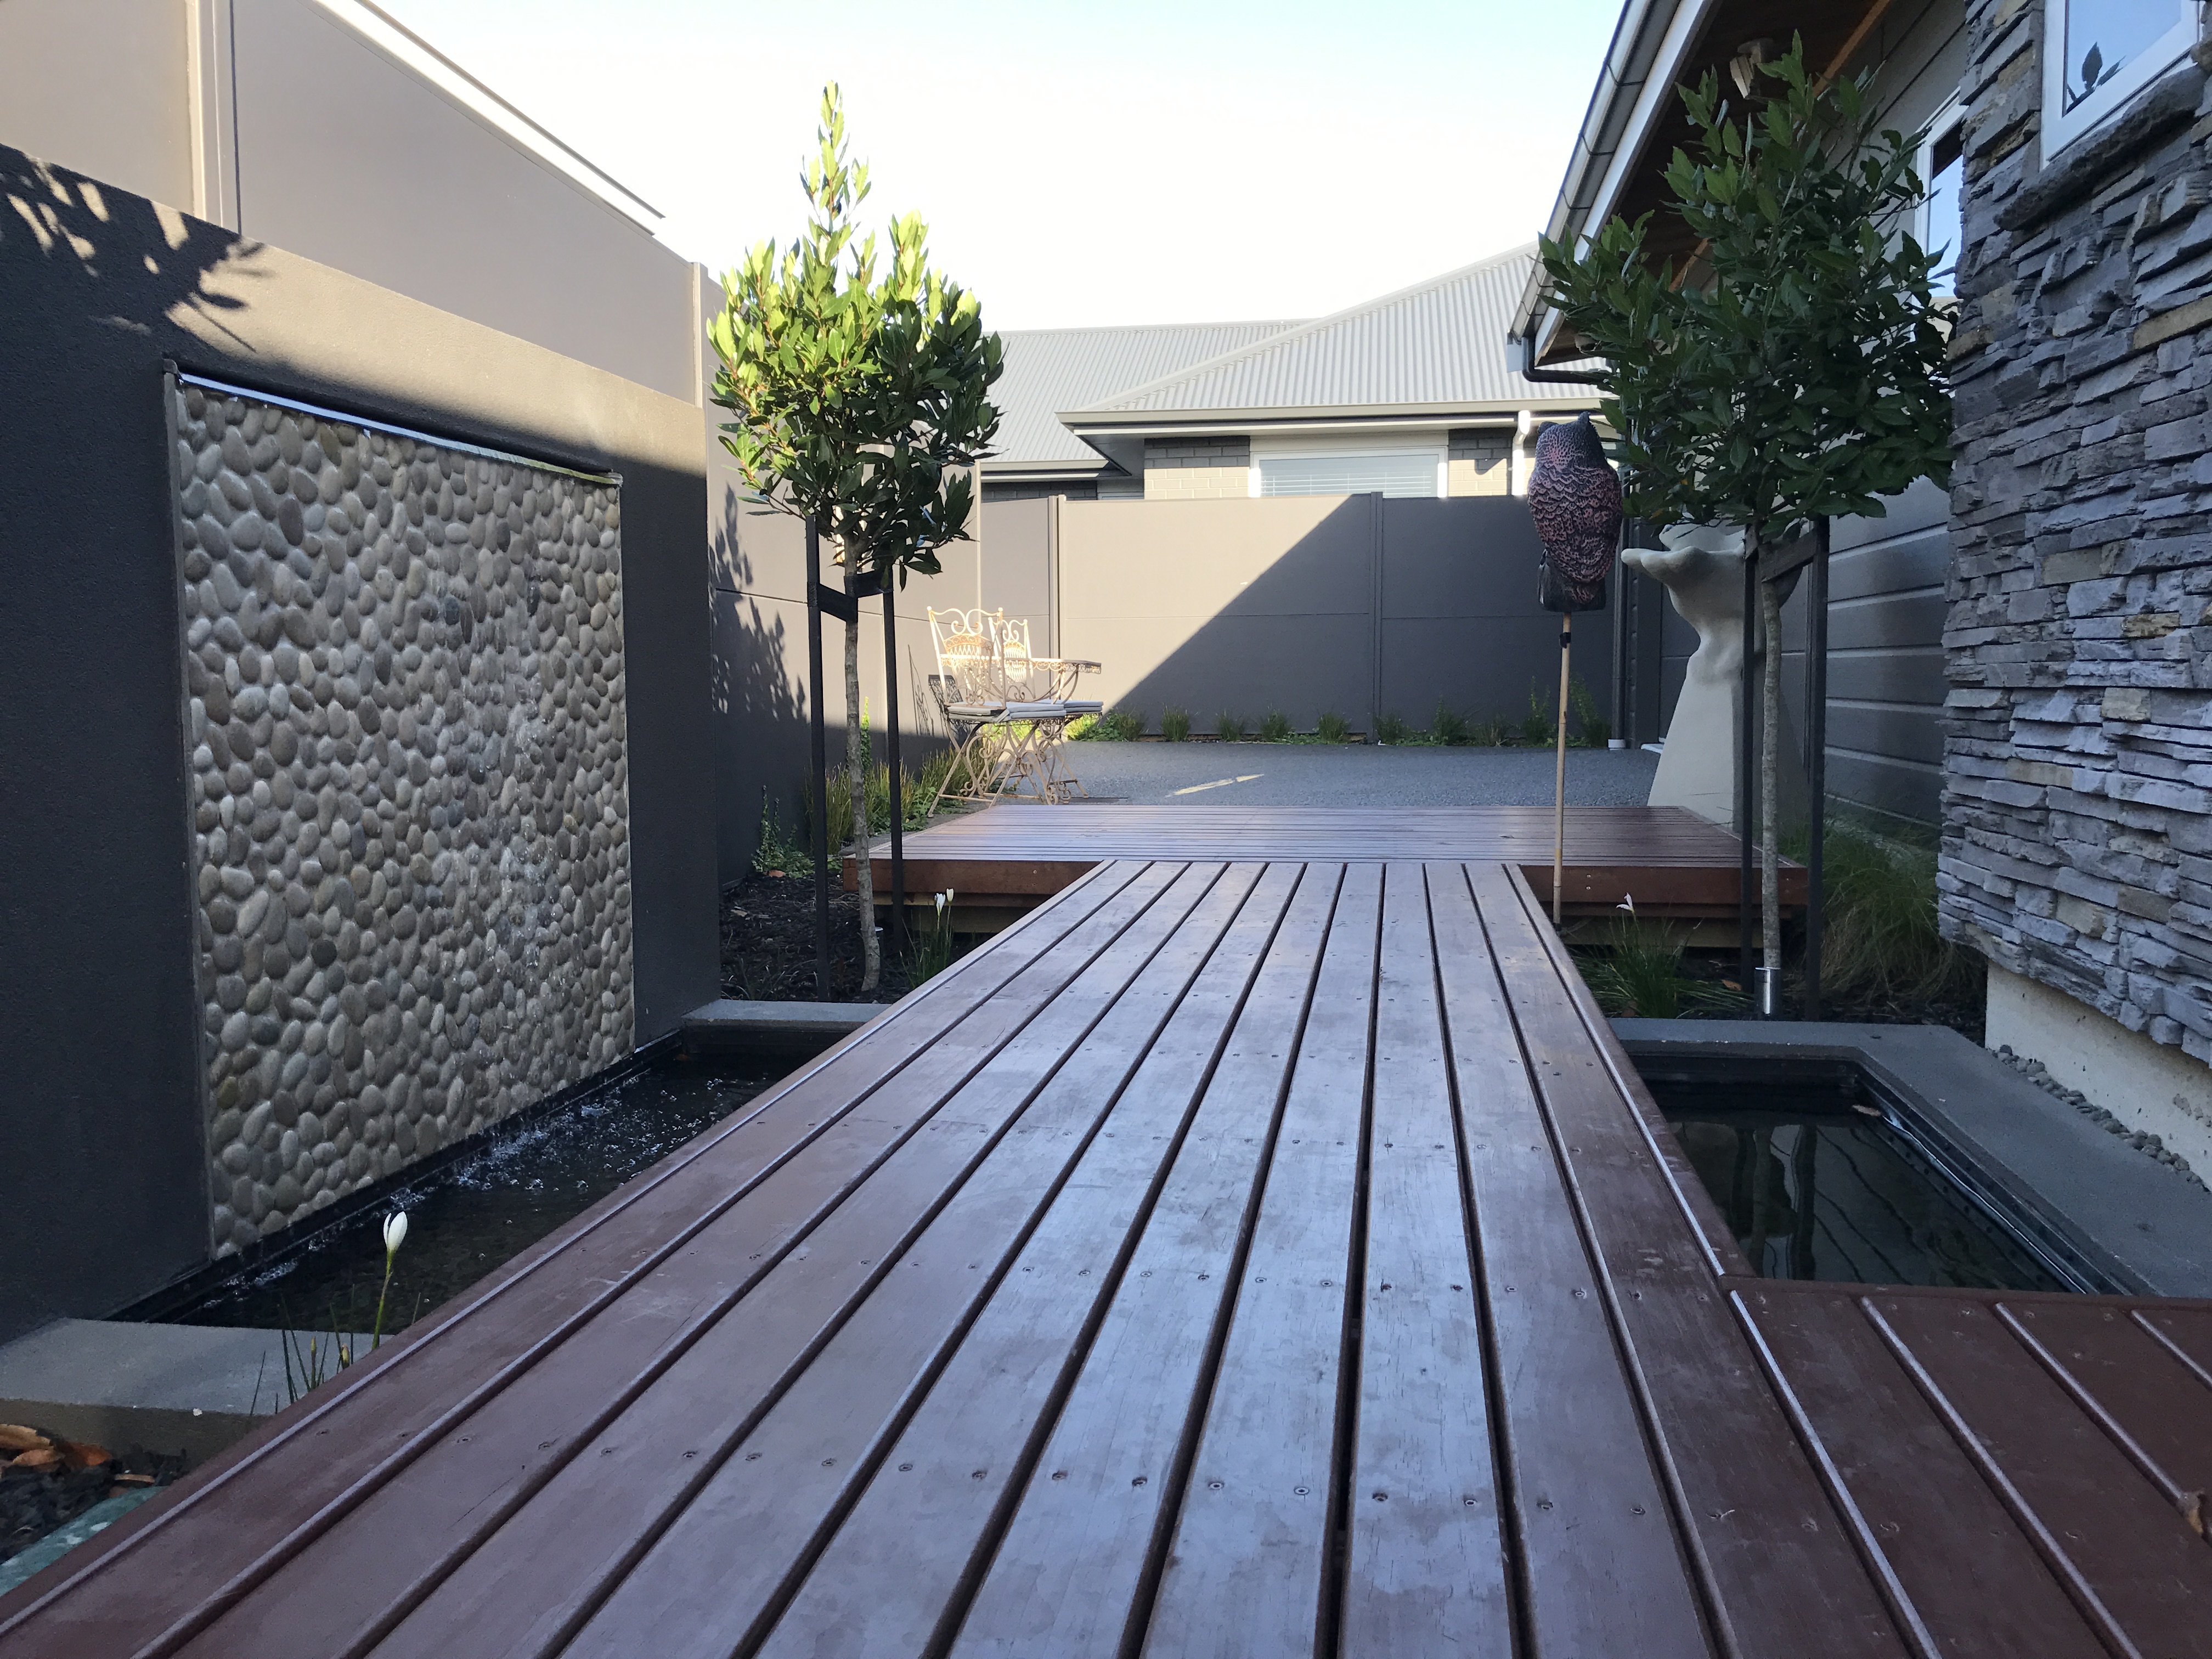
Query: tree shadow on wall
[
  {"x": 71, "y": 248},
  {"x": 759, "y": 699}
]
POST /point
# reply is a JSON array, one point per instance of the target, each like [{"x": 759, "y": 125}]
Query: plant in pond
[
  {"x": 1175, "y": 723},
  {"x": 1388, "y": 728},
  {"x": 1803, "y": 374},
  {"x": 1450, "y": 726},
  {"x": 311, "y": 1359},
  {"x": 1333, "y": 727},
  {"x": 395, "y": 1234},
  {"x": 930, "y": 948},
  {"x": 1229, "y": 727},
  {"x": 1536, "y": 725},
  {"x": 862, "y": 406},
  {"x": 1592, "y": 729},
  {"x": 1274, "y": 726}
]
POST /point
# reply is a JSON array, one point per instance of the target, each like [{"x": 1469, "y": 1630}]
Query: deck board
[
  {"x": 1235, "y": 1257},
  {"x": 1668, "y": 861}
]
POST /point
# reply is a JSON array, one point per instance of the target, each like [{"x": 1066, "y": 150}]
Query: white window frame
[
  {"x": 1948, "y": 121},
  {"x": 1341, "y": 446},
  {"x": 2063, "y": 126}
]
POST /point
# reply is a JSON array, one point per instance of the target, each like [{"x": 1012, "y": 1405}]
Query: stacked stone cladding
[
  {"x": 2077, "y": 815},
  {"x": 404, "y": 701}
]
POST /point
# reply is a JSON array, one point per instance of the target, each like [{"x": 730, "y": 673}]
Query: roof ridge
[
  {"x": 1275, "y": 342},
  {"x": 1149, "y": 328}
]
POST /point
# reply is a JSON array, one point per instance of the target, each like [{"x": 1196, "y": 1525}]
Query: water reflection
[{"x": 1813, "y": 1187}]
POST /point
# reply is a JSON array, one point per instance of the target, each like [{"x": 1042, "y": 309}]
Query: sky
[{"x": 1078, "y": 165}]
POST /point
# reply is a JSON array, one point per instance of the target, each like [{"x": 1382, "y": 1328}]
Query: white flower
[
  {"x": 1627, "y": 902},
  {"x": 395, "y": 1232},
  {"x": 941, "y": 904}
]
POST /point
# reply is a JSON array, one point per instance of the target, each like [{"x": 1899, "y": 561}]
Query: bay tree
[
  {"x": 1793, "y": 369},
  {"x": 862, "y": 404}
]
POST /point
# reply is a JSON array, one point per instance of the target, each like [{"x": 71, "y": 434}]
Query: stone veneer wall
[
  {"x": 2077, "y": 813},
  {"x": 404, "y": 698}
]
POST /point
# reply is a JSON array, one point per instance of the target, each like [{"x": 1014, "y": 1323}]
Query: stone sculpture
[
  {"x": 1701, "y": 568},
  {"x": 408, "y": 795}
]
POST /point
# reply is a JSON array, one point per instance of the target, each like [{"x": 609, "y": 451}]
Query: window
[
  {"x": 1409, "y": 473},
  {"x": 1943, "y": 171},
  {"x": 2098, "y": 54}
]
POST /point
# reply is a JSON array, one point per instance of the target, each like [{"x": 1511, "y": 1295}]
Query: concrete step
[{"x": 774, "y": 1030}]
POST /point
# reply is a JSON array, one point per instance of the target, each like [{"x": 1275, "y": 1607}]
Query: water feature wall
[{"x": 408, "y": 794}]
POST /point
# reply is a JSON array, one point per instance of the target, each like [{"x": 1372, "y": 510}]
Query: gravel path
[{"x": 1354, "y": 775}]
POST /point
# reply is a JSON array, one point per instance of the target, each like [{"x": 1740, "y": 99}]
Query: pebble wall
[{"x": 408, "y": 795}]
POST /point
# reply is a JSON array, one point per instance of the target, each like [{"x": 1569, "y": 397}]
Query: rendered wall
[
  {"x": 100, "y": 85},
  {"x": 99, "y": 1011},
  {"x": 404, "y": 696}
]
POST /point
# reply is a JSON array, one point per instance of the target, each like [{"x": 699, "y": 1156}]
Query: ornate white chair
[{"x": 1005, "y": 708}]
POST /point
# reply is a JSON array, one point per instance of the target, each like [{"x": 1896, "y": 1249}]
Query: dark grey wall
[
  {"x": 1292, "y": 602},
  {"x": 102, "y": 1197},
  {"x": 758, "y": 610}
]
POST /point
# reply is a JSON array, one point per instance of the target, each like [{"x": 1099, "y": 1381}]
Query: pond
[
  {"x": 469, "y": 1216},
  {"x": 1817, "y": 1180}
]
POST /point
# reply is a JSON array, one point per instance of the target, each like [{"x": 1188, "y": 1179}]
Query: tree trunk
[
  {"x": 856, "y": 779},
  {"x": 1770, "y": 791}
]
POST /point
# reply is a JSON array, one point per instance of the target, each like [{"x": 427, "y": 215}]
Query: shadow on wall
[{"x": 1359, "y": 605}]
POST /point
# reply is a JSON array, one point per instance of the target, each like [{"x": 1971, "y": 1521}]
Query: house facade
[
  {"x": 1407, "y": 396},
  {"x": 2077, "y": 820},
  {"x": 2022, "y": 664}
]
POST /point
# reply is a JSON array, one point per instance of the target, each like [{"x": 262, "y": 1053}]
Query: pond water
[
  {"x": 468, "y": 1218},
  {"x": 1815, "y": 1183}
]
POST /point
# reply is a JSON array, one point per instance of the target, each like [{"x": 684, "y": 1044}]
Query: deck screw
[
  {"x": 545, "y": 1445},
  {"x": 827, "y": 1461},
  {"x": 1543, "y": 1503},
  {"x": 1455, "y": 1287},
  {"x": 905, "y": 1467},
  {"x": 1214, "y": 1486},
  {"x": 1138, "y": 1481},
  {"x": 1636, "y": 1508},
  {"x": 1386, "y": 1287},
  {"x": 1297, "y": 1492},
  {"x": 976, "y": 1475},
  {"x": 1057, "y": 1474},
  {"x": 752, "y": 1457},
  {"x": 1469, "y": 1502},
  {"x": 691, "y": 1454},
  {"x": 1380, "y": 1496}
]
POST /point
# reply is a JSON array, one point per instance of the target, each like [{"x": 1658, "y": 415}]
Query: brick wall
[
  {"x": 2077, "y": 815},
  {"x": 1188, "y": 469},
  {"x": 1478, "y": 461}
]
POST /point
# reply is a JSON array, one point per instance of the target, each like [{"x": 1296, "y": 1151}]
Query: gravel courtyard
[{"x": 1353, "y": 775}]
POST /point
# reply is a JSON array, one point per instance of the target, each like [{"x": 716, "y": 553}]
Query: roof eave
[{"x": 1083, "y": 421}]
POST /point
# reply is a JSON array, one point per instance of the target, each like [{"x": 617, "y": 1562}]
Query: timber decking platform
[
  {"x": 1228, "y": 1259},
  {"x": 1671, "y": 861}
]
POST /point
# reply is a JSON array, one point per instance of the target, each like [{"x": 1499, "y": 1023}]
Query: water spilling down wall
[{"x": 408, "y": 794}]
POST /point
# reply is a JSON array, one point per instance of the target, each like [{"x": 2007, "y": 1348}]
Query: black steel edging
[{"x": 300, "y": 1238}]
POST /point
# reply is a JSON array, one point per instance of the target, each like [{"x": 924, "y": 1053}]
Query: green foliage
[
  {"x": 1274, "y": 726},
  {"x": 1492, "y": 733},
  {"x": 1635, "y": 972},
  {"x": 1592, "y": 729},
  {"x": 1333, "y": 727},
  {"x": 1879, "y": 936},
  {"x": 1801, "y": 371},
  {"x": 1450, "y": 726},
  {"x": 1114, "y": 725},
  {"x": 862, "y": 402},
  {"x": 1175, "y": 723},
  {"x": 1229, "y": 727},
  {"x": 776, "y": 854},
  {"x": 1388, "y": 728},
  {"x": 1538, "y": 726}
]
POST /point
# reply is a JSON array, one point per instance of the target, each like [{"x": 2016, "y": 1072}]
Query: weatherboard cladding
[
  {"x": 1439, "y": 343},
  {"x": 1051, "y": 369}
]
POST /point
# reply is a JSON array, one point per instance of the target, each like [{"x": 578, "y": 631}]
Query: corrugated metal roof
[
  {"x": 1441, "y": 341},
  {"x": 1049, "y": 369}
]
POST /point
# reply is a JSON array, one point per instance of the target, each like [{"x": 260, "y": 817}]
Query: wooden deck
[
  {"x": 1266, "y": 1258},
  {"x": 1672, "y": 862}
]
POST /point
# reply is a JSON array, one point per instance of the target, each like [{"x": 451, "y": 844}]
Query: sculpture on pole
[{"x": 1574, "y": 497}]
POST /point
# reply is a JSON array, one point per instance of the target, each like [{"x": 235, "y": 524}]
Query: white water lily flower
[{"x": 395, "y": 1232}]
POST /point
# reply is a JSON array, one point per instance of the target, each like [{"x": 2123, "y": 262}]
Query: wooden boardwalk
[
  {"x": 1671, "y": 861},
  {"x": 1255, "y": 1258}
]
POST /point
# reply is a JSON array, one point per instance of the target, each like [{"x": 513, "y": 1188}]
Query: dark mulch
[
  {"x": 1859, "y": 1008},
  {"x": 767, "y": 945},
  {"x": 47, "y": 1486}
]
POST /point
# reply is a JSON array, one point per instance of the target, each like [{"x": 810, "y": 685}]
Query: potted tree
[{"x": 1793, "y": 369}]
